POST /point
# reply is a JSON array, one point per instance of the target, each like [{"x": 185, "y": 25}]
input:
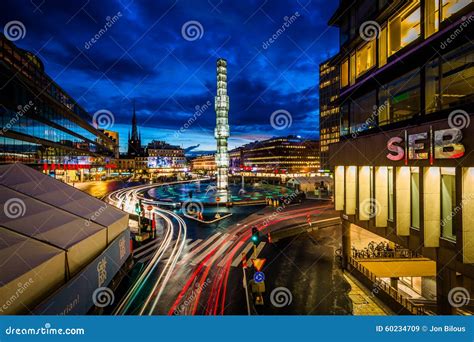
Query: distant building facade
[
  {"x": 205, "y": 163},
  {"x": 328, "y": 109},
  {"x": 282, "y": 155}
]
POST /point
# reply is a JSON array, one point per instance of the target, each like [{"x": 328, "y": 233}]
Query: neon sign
[{"x": 440, "y": 144}]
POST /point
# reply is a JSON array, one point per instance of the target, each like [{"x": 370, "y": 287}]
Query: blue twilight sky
[{"x": 145, "y": 53}]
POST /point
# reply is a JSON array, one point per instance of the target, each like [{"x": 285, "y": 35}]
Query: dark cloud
[{"x": 144, "y": 56}]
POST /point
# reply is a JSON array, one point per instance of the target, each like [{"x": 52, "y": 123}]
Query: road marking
[
  {"x": 238, "y": 259},
  {"x": 224, "y": 260},
  {"x": 199, "y": 248},
  {"x": 218, "y": 253},
  {"x": 194, "y": 244},
  {"x": 155, "y": 247},
  {"x": 194, "y": 260},
  {"x": 147, "y": 245}
]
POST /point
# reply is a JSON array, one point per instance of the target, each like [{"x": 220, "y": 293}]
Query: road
[
  {"x": 198, "y": 270},
  {"x": 100, "y": 189}
]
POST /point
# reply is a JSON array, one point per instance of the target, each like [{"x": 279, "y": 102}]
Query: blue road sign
[{"x": 258, "y": 277}]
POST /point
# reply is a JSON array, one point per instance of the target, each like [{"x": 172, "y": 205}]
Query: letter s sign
[{"x": 398, "y": 151}]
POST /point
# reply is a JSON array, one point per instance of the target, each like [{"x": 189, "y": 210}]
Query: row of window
[
  {"x": 400, "y": 30},
  {"x": 19, "y": 151},
  {"x": 447, "y": 195},
  {"x": 447, "y": 85}
]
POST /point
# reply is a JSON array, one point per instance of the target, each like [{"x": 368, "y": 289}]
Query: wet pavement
[{"x": 305, "y": 275}]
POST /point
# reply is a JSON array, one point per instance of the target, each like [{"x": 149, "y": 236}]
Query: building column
[
  {"x": 394, "y": 282},
  {"x": 346, "y": 243},
  {"x": 445, "y": 281}
]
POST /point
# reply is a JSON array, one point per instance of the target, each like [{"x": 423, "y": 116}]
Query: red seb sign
[{"x": 441, "y": 144}]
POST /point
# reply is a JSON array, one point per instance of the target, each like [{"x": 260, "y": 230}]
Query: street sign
[
  {"x": 258, "y": 277},
  {"x": 258, "y": 263}
]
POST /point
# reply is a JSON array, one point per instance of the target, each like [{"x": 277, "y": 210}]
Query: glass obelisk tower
[{"x": 221, "y": 132}]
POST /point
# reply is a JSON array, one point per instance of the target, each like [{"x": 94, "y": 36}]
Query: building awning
[{"x": 395, "y": 268}]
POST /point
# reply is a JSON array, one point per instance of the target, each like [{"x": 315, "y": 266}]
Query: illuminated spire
[{"x": 221, "y": 132}]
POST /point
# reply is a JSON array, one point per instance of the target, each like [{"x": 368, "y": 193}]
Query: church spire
[{"x": 134, "y": 139}]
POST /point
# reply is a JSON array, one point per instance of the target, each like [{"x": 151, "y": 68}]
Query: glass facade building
[
  {"x": 328, "y": 109},
  {"x": 405, "y": 110},
  {"x": 42, "y": 125}
]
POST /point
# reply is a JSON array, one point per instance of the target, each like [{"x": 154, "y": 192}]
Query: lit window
[
  {"x": 448, "y": 202},
  {"x": 352, "y": 69},
  {"x": 415, "y": 197},
  {"x": 452, "y": 6},
  {"x": 383, "y": 47},
  {"x": 390, "y": 193},
  {"x": 365, "y": 58},
  {"x": 446, "y": 79},
  {"x": 345, "y": 73},
  {"x": 431, "y": 17},
  {"x": 404, "y": 28}
]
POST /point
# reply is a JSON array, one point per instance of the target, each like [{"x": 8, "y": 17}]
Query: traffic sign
[
  {"x": 218, "y": 199},
  {"x": 258, "y": 263},
  {"x": 149, "y": 208},
  {"x": 258, "y": 277}
]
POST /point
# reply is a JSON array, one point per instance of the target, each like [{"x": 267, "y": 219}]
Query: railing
[
  {"x": 378, "y": 285},
  {"x": 382, "y": 250}
]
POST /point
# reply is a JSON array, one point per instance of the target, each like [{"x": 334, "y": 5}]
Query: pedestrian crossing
[{"x": 198, "y": 250}]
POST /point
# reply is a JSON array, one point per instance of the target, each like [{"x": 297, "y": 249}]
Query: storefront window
[
  {"x": 390, "y": 193},
  {"x": 404, "y": 28},
  {"x": 365, "y": 58},
  {"x": 400, "y": 99},
  {"x": 448, "y": 202},
  {"x": 415, "y": 197}
]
